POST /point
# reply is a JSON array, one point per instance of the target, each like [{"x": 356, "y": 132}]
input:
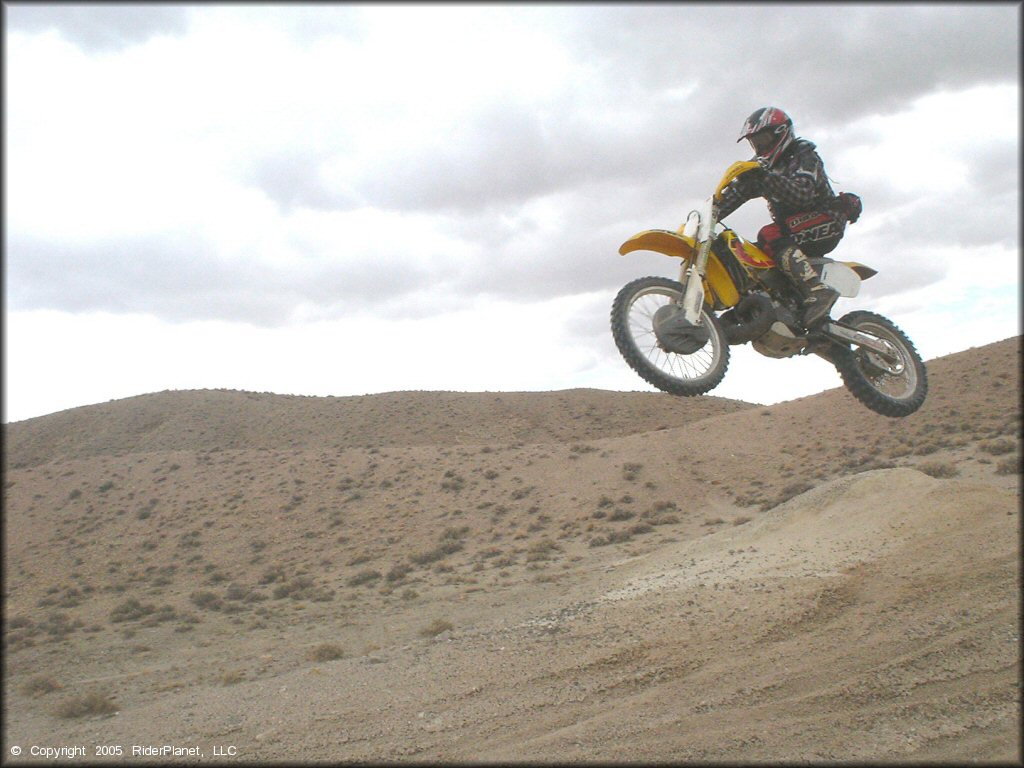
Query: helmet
[{"x": 770, "y": 131}]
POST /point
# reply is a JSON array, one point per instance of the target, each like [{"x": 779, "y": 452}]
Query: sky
[{"x": 344, "y": 199}]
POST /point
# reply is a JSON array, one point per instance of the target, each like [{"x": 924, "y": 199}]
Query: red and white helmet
[{"x": 770, "y": 131}]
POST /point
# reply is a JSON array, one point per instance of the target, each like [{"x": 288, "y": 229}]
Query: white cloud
[{"x": 216, "y": 185}]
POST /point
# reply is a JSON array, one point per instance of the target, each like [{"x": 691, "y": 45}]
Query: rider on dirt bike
[{"x": 808, "y": 217}]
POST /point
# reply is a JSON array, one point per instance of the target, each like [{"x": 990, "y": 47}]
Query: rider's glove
[{"x": 750, "y": 182}]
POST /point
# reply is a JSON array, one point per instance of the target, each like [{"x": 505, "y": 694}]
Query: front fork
[{"x": 691, "y": 273}]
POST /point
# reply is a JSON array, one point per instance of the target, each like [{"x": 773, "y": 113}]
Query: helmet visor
[{"x": 763, "y": 141}]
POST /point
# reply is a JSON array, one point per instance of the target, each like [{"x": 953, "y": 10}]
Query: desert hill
[
  {"x": 577, "y": 575},
  {"x": 222, "y": 420}
]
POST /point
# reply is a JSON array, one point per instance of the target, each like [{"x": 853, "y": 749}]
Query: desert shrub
[
  {"x": 999, "y": 447},
  {"x": 435, "y": 554},
  {"x": 40, "y": 685},
  {"x": 69, "y": 599},
  {"x": 92, "y": 703},
  {"x": 435, "y": 628},
  {"x": 209, "y": 601},
  {"x": 399, "y": 572},
  {"x": 302, "y": 588},
  {"x": 59, "y": 625},
  {"x": 621, "y": 514},
  {"x": 793, "y": 489},
  {"x": 939, "y": 469},
  {"x": 20, "y": 636},
  {"x": 326, "y": 652},
  {"x": 131, "y": 610},
  {"x": 521, "y": 493},
  {"x": 452, "y": 481},
  {"x": 541, "y": 550},
  {"x": 630, "y": 471},
  {"x": 619, "y": 537},
  {"x": 162, "y": 614},
  {"x": 271, "y": 575},
  {"x": 659, "y": 514},
  {"x": 364, "y": 577},
  {"x": 236, "y": 592},
  {"x": 1010, "y": 466},
  {"x": 450, "y": 542}
]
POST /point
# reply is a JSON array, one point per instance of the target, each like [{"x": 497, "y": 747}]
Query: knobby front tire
[
  {"x": 891, "y": 390},
  {"x": 632, "y": 320}
]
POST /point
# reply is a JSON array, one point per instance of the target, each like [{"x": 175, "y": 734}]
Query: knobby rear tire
[
  {"x": 894, "y": 395},
  {"x": 632, "y": 328}
]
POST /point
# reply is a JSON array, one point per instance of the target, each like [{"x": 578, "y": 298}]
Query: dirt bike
[{"x": 676, "y": 334}]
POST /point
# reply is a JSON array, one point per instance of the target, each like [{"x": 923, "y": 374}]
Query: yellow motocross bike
[{"x": 676, "y": 334}]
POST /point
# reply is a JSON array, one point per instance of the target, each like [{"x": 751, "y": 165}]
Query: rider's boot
[{"x": 816, "y": 297}]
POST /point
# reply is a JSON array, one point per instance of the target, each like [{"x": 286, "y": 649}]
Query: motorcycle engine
[{"x": 778, "y": 341}]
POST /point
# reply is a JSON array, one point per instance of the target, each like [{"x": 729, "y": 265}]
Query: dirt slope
[{"x": 576, "y": 575}]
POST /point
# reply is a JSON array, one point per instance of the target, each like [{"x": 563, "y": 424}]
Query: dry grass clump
[
  {"x": 399, "y": 572},
  {"x": 620, "y": 536},
  {"x": 40, "y": 685},
  {"x": 450, "y": 543},
  {"x": 364, "y": 577},
  {"x": 542, "y": 550},
  {"x": 86, "y": 705},
  {"x": 209, "y": 601},
  {"x": 131, "y": 610},
  {"x": 303, "y": 588},
  {"x": 939, "y": 469},
  {"x": 436, "y": 627},
  {"x": 788, "y": 492},
  {"x": 326, "y": 652},
  {"x": 662, "y": 513},
  {"x": 999, "y": 447},
  {"x": 1010, "y": 466},
  {"x": 631, "y": 471}
]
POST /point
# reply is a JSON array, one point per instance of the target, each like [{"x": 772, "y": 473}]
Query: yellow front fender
[
  {"x": 717, "y": 282},
  {"x": 659, "y": 241}
]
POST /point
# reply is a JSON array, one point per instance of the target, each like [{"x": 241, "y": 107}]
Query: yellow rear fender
[
  {"x": 863, "y": 271},
  {"x": 659, "y": 241}
]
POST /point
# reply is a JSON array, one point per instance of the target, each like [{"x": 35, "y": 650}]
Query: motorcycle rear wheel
[
  {"x": 632, "y": 320},
  {"x": 891, "y": 389}
]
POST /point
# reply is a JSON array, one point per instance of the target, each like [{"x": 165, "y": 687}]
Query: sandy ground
[{"x": 576, "y": 576}]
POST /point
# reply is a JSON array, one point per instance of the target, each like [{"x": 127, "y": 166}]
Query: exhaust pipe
[{"x": 750, "y": 319}]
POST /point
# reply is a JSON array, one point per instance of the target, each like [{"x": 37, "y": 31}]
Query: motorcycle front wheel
[
  {"x": 632, "y": 321},
  {"x": 896, "y": 386}
]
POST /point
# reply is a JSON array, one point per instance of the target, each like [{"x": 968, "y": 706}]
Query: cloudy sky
[{"x": 347, "y": 199}]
